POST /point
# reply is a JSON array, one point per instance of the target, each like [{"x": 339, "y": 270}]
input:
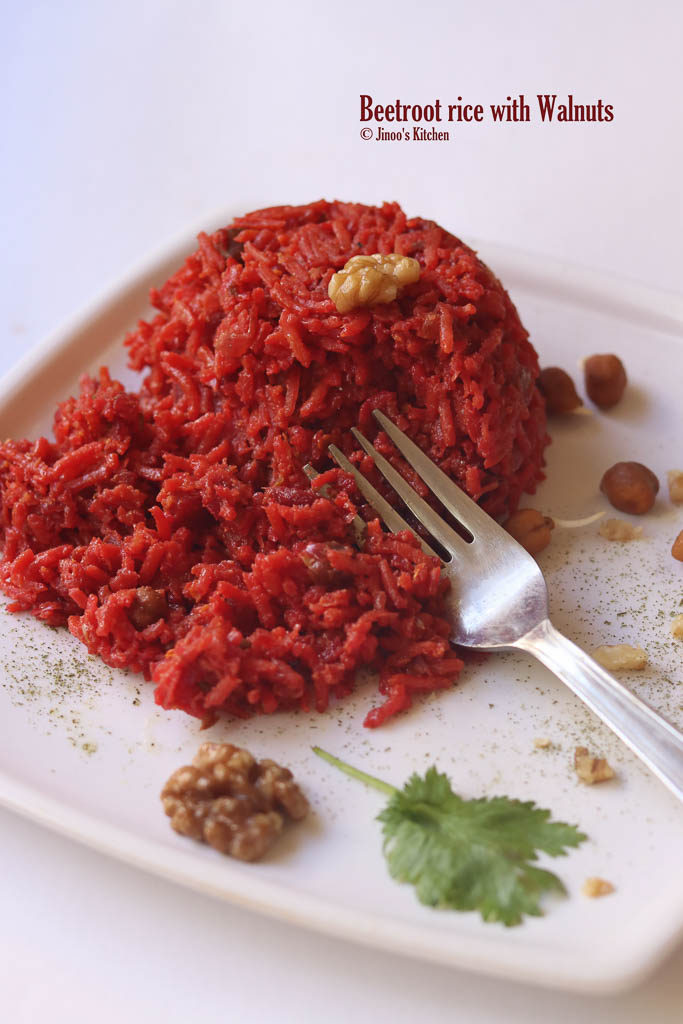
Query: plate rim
[
  {"x": 625, "y": 966},
  {"x": 620, "y": 969}
]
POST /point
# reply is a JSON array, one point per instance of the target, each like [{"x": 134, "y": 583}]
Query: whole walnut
[
  {"x": 231, "y": 801},
  {"x": 372, "y": 280}
]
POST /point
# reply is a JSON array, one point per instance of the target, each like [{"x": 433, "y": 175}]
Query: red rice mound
[{"x": 173, "y": 530}]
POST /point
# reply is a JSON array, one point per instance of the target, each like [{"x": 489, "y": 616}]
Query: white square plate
[{"x": 86, "y": 751}]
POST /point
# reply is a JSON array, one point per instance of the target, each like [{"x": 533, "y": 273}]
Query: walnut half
[
  {"x": 231, "y": 801},
  {"x": 371, "y": 280}
]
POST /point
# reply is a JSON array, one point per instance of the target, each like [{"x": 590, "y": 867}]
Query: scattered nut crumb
[
  {"x": 630, "y": 486},
  {"x": 596, "y": 887},
  {"x": 531, "y": 529},
  {"x": 371, "y": 280},
  {"x": 542, "y": 743},
  {"x": 620, "y": 656},
  {"x": 677, "y": 547},
  {"x": 591, "y": 769},
  {"x": 675, "y": 478},
  {"x": 605, "y": 379},
  {"x": 559, "y": 392},
  {"x": 619, "y": 529},
  {"x": 677, "y": 627}
]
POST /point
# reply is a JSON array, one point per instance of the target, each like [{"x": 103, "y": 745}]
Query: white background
[{"x": 122, "y": 123}]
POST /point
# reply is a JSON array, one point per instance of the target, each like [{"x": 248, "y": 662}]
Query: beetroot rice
[{"x": 173, "y": 530}]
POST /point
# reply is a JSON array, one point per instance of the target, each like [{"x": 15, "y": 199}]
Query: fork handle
[{"x": 650, "y": 736}]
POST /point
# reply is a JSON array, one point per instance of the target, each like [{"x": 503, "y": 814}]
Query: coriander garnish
[{"x": 467, "y": 854}]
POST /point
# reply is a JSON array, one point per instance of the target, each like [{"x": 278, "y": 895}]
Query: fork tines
[
  {"x": 461, "y": 507},
  {"x": 387, "y": 513}
]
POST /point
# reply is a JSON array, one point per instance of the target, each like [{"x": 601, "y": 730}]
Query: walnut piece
[
  {"x": 593, "y": 888},
  {"x": 591, "y": 769},
  {"x": 531, "y": 529},
  {"x": 371, "y": 280},
  {"x": 231, "y": 801},
  {"x": 620, "y": 530},
  {"x": 675, "y": 479},
  {"x": 620, "y": 656}
]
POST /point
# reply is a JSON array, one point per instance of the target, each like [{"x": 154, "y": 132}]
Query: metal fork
[{"x": 498, "y": 599}]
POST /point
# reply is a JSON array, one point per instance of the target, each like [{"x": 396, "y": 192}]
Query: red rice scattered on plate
[{"x": 174, "y": 531}]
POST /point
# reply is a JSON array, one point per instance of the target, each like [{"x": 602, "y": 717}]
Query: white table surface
[{"x": 124, "y": 122}]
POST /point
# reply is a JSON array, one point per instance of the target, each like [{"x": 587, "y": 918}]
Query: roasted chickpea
[
  {"x": 531, "y": 529},
  {"x": 558, "y": 389},
  {"x": 605, "y": 379},
  {"x": 631, "y": 487},
  {"x": 677, "y": 549},
  {"x": 148, "y": 606}
]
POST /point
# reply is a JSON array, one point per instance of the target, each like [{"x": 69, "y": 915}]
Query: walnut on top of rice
[{"x": 371, "y": 280}]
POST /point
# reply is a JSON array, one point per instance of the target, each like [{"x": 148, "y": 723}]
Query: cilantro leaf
[{"x": 468, "y": 854}]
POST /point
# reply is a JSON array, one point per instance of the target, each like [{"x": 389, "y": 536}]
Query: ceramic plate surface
[{"x": 86, "y": 751}]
